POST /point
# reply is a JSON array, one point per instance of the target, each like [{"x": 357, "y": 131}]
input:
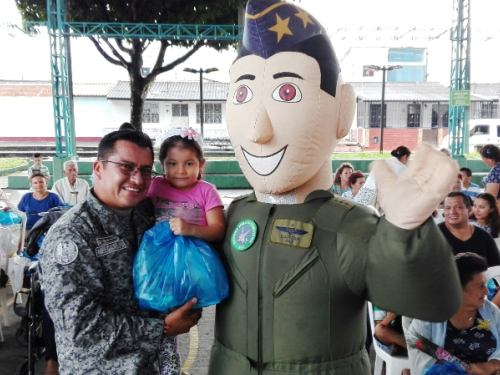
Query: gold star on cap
[
  {"x": 281, "y": 27},
  {"x": 304, "y": 16}
]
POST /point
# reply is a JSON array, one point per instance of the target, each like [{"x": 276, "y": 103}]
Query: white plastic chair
[{"x": 393, "y": 365}]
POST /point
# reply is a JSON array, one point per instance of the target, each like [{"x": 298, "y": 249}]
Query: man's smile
[{"x": 264, "y": 165}]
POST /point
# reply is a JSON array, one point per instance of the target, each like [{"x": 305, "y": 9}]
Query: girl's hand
[
  {"x": 180, "y": 226},
  {"x": 481, "y": 369}
]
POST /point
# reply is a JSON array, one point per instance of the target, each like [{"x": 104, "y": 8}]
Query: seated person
[
  {"x": 38, "y": 167},
  {"x": 389, "y": 332},
  {"x": 472, "y": 334},
  {"x": 356, "y": 181},
  {"x": 71, "y": 189},
  {"x": 40, "y": 200}
]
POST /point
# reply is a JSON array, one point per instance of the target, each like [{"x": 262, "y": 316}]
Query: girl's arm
[
  {"x": 214, "y": 231},
  {"x": 492, "y": 188}
]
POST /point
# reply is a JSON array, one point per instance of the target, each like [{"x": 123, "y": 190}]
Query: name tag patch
[
  {"x": 292, "y": 233},
  {"x": 108, "y": 247}
]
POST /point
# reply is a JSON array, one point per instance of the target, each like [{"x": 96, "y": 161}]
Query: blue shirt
[
  {"x": 33, "y": 207},
  {"x": 472, "y": 191},
  {"x": 493, "y": 177}
]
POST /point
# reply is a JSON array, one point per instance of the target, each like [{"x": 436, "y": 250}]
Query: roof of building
[
  {"x": 35, "y": 88},
  {"x": 175, "y": 91},
  {"x": 491, "y": 90},
  {"x": 412, "y": 91}
]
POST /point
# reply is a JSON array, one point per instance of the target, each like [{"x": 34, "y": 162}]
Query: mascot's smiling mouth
[{"x": 264, "y": 165}]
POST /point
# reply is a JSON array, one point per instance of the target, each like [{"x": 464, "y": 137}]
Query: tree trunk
[{"x": 138, "y": 85}]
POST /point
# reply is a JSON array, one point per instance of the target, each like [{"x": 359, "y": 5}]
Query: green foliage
[
  {"x": 207, "y": 12},
  {"x": 6, "y": 163}
]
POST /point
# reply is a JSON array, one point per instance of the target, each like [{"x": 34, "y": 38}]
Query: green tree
[{"x": 128, "y": 53}]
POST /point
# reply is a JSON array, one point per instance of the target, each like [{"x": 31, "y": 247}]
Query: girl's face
[
  {"x": 482, "y": 209},
  {"x": 344, "y": 176},
  {"x": 182, "y": 168},
  {"x": 358, "y": 184}
]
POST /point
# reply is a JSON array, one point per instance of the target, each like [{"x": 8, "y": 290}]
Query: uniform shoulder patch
[
  {"x": 345, "y": 203},
  {"x": 241, "y": 197},
  {"x": 66, "y": 252}
]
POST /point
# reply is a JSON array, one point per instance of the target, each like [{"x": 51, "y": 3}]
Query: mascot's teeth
[{"x": 264, "y": 165}]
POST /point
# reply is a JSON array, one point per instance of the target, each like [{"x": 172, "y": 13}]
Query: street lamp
[
  {"x": 201, "y": 71},
  {"x": 383, "y": 69}
]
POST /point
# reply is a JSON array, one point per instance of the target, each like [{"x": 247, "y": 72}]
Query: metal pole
[
  {"x": 201, "y": 103},
  {"x": 382, "y": 111}
]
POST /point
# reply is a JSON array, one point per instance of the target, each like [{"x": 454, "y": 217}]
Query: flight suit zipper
[{"x": 262, "y": 244}]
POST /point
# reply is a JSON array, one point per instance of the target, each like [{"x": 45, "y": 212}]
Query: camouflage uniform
[{"x": 86, "y": 265}]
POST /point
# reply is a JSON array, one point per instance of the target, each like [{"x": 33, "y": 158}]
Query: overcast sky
[{"x": 31, "y": 59}]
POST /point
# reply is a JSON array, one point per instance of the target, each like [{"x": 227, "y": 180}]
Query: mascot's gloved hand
[{"x": 410, "y": 198}]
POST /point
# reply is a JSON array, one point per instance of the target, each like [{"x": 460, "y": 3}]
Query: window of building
[
  {"x": 375, "y": 113},
  {"x": 151, "y": 113},
  {"x": 179, "y": 110},
  {"x": 212, "y": 113},
  {"x": 440, "y": 115},
  {"x": 489, "y": 109},
  {"x": 413, "y": 120},
  {"x": 367, "y": 72}
]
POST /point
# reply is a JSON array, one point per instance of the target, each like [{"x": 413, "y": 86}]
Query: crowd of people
[{"x": 116, "y": 210}]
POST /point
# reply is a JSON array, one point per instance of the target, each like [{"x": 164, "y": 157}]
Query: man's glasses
[{"x": 128, "y": 169}]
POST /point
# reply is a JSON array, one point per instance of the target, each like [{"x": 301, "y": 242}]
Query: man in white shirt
[{"x": 71, "y": 189}]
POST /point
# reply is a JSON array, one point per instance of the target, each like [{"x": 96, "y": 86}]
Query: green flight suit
[{"x": 297, "y": 294}]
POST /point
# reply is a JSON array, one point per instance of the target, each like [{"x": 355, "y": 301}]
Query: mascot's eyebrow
[
  {"x": 286, "y": 74},
  {"x": 245, "y": 76}
]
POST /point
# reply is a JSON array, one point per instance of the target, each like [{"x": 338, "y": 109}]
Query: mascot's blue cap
[{"x": 273, "y": 26}]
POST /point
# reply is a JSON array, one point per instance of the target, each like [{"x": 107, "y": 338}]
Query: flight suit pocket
[
  {"x": 231, "y": 319},
  {"x": 301, "y": 311}
]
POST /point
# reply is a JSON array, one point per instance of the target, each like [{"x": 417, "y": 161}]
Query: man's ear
[
  {"x": 97, "y": 169},
  {"x": 347, "y": 108}
]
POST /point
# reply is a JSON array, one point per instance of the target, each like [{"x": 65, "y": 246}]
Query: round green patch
[{"x": 244, "y": 235}]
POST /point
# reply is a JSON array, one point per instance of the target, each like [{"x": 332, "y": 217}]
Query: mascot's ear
[{"x": 347, "y": 108}]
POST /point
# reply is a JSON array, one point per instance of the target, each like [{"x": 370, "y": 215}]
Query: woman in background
[
  {"x": 491, "y": 157},
  {"x": 341, "y": 179},
  {"x": 356, "y": 181},
  {"x": 485, "y": 214}
]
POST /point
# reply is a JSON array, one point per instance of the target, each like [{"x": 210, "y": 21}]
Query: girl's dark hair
[
  {"x": 338, "y": 172},
  {"x": 183, "y": 142},
  {"x": 469, "y": 265},
  {"x": 400, "y": 152},
  {"x": 354, "y": 176},
  {"x": 490, "y": 152},
  {"x": 494, "y": 216}
]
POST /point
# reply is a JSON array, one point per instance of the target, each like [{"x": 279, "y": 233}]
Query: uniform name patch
[
  {"x": 110, "y": 248},
  {"x": 345, "y": 203},
  {"x": 292, "y": 233},
  {"x": 66, "y": 252}
]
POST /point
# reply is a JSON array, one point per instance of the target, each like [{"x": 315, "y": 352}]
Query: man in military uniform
[
  {"x": 86, "y": 266},
  {"x": 301, "y": 264}
]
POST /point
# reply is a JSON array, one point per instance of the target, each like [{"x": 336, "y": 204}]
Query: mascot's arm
[{"x": 412, "y": 272}]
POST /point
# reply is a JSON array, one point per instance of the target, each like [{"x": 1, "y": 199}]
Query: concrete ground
[{"x": 194, "y": 347}]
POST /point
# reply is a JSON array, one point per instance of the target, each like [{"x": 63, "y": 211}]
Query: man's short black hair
[
  {"x": 465, "y": 198},
  {"x": 107, "y": 145},
  {"x": 467, "y": 171},
  {"x": 37, "y": 155}
]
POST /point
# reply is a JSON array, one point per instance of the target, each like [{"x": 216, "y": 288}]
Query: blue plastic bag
[
  {"x": 446, "y": 368},
  {"x": 492, "y": 289},
  {"x": 170, "y": 270},
  {"x": 7, "y": 217}
]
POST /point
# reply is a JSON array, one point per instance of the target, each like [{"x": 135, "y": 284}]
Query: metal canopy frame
[
  {"x": 460, "y": 77},
  {"x": 59, "y": 29}
]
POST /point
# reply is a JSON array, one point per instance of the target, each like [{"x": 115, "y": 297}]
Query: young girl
[{"x": 192, "y": 206}]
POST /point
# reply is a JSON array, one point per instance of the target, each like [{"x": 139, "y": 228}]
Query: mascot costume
[{"x": 302, "y": 263}]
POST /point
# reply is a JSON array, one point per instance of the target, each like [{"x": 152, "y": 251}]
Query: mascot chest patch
[
  {"x": 244, "y": 235},
  {"x": 292, "y": 233}
]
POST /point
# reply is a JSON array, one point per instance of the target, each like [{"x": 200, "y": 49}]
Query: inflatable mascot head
[{"x": 287, "y": 104}]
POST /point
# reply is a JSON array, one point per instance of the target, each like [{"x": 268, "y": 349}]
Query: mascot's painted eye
[
  {"x": 287, "y": 92},
  {"x": 242, "y": 95}
]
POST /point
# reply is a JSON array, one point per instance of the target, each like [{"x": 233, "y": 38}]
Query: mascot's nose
[{"x": 260, "y": 129}]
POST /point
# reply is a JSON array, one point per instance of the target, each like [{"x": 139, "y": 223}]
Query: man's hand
[
  {"x": 180, "y": 226},
  {"x": 182, "y": 319},
  {"x": 410, "y": 198}
]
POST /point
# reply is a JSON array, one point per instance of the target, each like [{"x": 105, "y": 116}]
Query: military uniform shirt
[{"x": 86, "y": 265}]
